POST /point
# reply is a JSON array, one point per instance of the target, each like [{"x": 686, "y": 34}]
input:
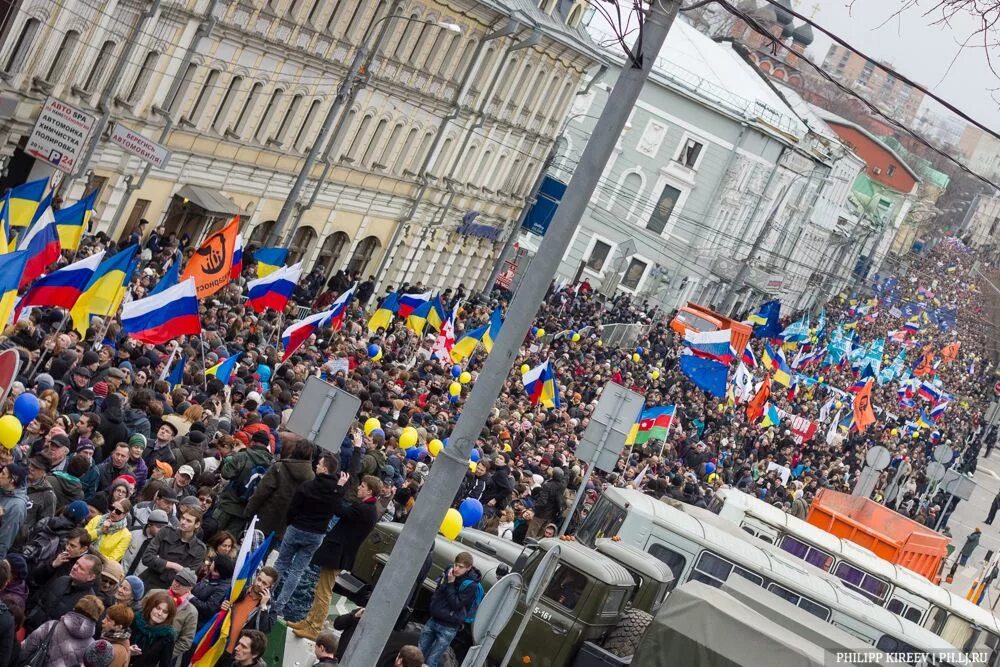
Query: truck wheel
[{"x": 624, "y": 638}]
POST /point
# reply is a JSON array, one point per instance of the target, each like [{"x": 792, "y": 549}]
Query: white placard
[
  {"x": 140, "y": 146},
  {"x": 60, "y": 134}
]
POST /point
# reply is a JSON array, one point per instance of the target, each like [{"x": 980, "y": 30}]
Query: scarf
[
  {"x": 114, "y": 528},
  {"x": 122, "y": 635},
  {"x": 179, "y": 600}
]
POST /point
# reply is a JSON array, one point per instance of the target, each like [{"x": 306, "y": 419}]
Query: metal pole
[
  {"x": 419, "y": 532},
  {"x": 343, "y": 93},
  {"x": 107, "y": 95}
]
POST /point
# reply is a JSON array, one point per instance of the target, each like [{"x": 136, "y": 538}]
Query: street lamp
[{"x": 359, "y": 65}]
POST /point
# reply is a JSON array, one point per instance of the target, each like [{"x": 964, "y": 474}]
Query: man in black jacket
[
  {"x": 61, "y": 594},
  {"x": 308, "y": 515},
  {"x": 339, "y": 548},
  {"x": 451, "y": 604},
  {"x": 550, "y": 503}
]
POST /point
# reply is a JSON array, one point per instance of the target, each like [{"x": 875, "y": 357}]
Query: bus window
[
  {"x": 956, "y": 631},
  {"x": 871, "y": 587},
  {"x": 888, "y": 644},
  {"x": 896, "y": 607},
  {"x": 672, "y": 559},
  {"x": 805, "y": 604},
  {"x": 911, "y": 614},
  {"x": 989, "y": 643},
  {"x": 811, "y": 555},
  {"x": 936, "y": 619},
  {"x": 603, "y": 521},
  {"x": 712, "y": 570}
]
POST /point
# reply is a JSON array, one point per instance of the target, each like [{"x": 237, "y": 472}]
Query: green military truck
[{"x": 593, "y": 611}]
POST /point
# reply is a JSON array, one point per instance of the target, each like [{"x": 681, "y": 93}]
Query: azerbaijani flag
[
  {"x": 210, "y": 641},
  {"x": 237, "y": 269},
  {"x": 654, "y": 423},
  {"x": 269, "y": 260},
  {"x": 62, "y": 287},
  {"x": 274, "y": 290},
  {"x": 72, "y": 221},
  {"x": 164, "y": 316},
  {"x": 224, "y": 369}
]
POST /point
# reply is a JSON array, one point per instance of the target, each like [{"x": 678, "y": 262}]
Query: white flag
[
  {"x": 743, "y": 383},
  {"x": 831, "y": 434}
]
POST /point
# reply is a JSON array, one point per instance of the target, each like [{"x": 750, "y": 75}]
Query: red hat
[
  {"x": 101, "y": 389},
  {"x": 125, "y": 478}
]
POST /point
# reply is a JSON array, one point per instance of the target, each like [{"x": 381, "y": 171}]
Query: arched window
[
  {"x": 311, "y": 18},
  {"x": 629, "y": 194},
  {"x": 260, "y": 233},
  {"x": 468, "y": 163},
  {"x": 389, "y": 156},
  {"x": 376, "y": 16},
  {"x": 307, "y": 123},
  {"x": 182, "y": 90},
  {"x": 253, "y": 100},
  {"x": 368, "y": 156},
  {"x": 515, "y": 171},
  {"x": 466, "y": 58},
  {"x": 505, "y": 81},
  {"x": 260, "y": 134},
  {"x": 421, "y": 51},
  {"x": 100, "y": 67},
  {"x": 67, "y": 49},
  {"x": 303, "y": 241},
  {"x": 286, "y": 122},
  {"x": 204, "y": 95},
  {"x": 483, "y": 171},
  {"x": 410, "y": 26},
  {"x": 405, "y": 159},
  {"x": 526, "y": 177},
  {"x": 363, "y": 254},
  {"x": 454, "y": 41},
  {"x": 331, "y": 21},
  {"x": 352, "y": 150},
  {"x": 421, "y": 154},
  {"x": 522, "y": 88},
  {"x": 219, "y": 122},
  {"x": 331, "y": 250},
  {"x": 355, "y": 22},
  {"x": 141, "y": 82},
  {"x": 22, "y": 47}
]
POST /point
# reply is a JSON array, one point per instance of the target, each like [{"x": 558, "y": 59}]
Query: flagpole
[
  {"x": 170, "y": 361},
  {"x": 204, "y": 364}
]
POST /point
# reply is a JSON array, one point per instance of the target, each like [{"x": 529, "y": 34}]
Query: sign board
[
  {"x": 538, "y": 217},
  {"x": 140, "y": 146},
  {"x": 957, "y": 484},
  {"x": 323, "y": 414},
  {"x": 496, "y": 607},
  {"x": 60, "y": 134},
  {"x": 616, "y": 411}
]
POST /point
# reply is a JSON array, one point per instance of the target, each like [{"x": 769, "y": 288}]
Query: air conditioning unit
[{"x": 877, "y": 171}]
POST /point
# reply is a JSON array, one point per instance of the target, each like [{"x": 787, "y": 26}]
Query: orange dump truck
[
  {"x": 699, "y": 318},
  {"x": 888, "y": 534}
]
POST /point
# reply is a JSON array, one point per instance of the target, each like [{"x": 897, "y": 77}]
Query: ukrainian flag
[
  {"x": 11, "y": 267},
  {"x": 466, "y": 345},
  {"x": 106, "y": 289},
  {"x": 382, "y": 317},
  {"x": 176, "y": 377},
  {"x": 5, "y": 244},
  {"x": 224, "y": 369},
  {"x": 270, "y": 260},
  {"x": 436, "y": 316},
  {"x": 24, "y": 200},
  {"x": 496, "y": 321},
  {"x": 73, "y": 220},
  {"x": 771, "y": 416}
]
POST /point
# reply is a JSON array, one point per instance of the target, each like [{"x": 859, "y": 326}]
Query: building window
[
  {"x": 633, "y": 274},
  {"x": 690, "y": 152},
  {"x": 993, "y": 227},
  {"x": 286, "y": 122},
  {"x": 63, "y": 56},
  {"x": 664, "y": 209},
  {"x": 182, "y": 90},
  {"x": 219, "y": 122},
  {"x": 265, "y": 120},
  {"x": 866, "y": 73},
  {"x": 22, "y": 48},
  {"x": 253, "y": 99},
  {"x": 100, "y": 66},
  {"x": 368, "y": 156},
  {"x": 891, "y": 170},
  {"x": 203, "y": 96},
  {"x": 598, "y": 256},
  {"x": 141, "y": 82},
  {"x": 356, "y": 142},
  {"x": 307, "y": 123}
]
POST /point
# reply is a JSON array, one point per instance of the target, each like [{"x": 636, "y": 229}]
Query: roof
[
  {"x": 635, "y": 559},
  {"x": 211, "y": 200},
  {"x": 837, "y": 120},
  {"x": 553, "y": 25},
  {"x": 586, "y": 559}
]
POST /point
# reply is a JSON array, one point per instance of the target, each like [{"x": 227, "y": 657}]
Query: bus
[
  {"x": 899, "y": 590},
  {"x": 704, "y": 550}
]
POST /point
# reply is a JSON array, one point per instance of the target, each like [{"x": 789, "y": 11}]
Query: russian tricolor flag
[
  {"x": 339, "y": 308},
  {"x": 540, "y": 385},
  {"x": 715, "y": 345},
  {"x": 298, "y": 332},
  {"x": 410, "y": 302},
  {"x": 929, "y": 391},
  {"x": 163, "y": 316},
  {"x": 858, "y": 386},
  {"x": 63, "y": 287},
  {"x": 41, "y": 242},
  {"x": 237, "y": 269},
  {"x": 274, "y": 291}
]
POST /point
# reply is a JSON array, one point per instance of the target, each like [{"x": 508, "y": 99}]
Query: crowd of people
[{"x": 125, "y": 502}]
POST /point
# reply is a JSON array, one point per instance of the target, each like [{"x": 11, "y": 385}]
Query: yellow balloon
[
  {"x": 656, "y": 375},
  {"x": 465, "y": 377},
  {"x": 10, "y": 431},
  {"x": 378, "y": 357},
  {"x": 600, "y": 343},
  {"x": 540, "y": 333},
  {"x": 472, "y": 466},
  {"x": 636, "y": 357},
  {"x": 408, "y": 438},
  {"x": 371, "y": 424},
  {"x": 451, "y": 525},
  {"x": 506, "y": 447},
  {"x": 838, "y": 405},
  {"x": 435, "y": 446},
  {"x": 454, "y": 389},
  {"x": 524, "y": 369},
  {"x": 721, "y": 407},
  {"x": 576, "y": 337},
  {"x": 916, "y": 434},
  {"x": 820, "y": 380},
  {"x": 894, "y": 432}
]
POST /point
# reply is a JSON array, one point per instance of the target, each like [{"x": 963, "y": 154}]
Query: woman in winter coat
[
  {"x": 116, "y": 630},
  {"x": 110, "y": 533},
  {"x": 72, "y": 634},
  {"x": 153, "y": 631}
]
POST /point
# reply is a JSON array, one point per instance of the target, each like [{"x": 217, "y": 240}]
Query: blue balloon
[
  {"x": 377, "y": 432},
  {"x": 445, "y": 442},
  {"x": 638, "y": 350},
  {"x": 474, "y": 457},
  {"x": 453, "y": 399},
  {"x": 415, "y": 453},
  {"x": 26, "y": 408},
  {"x": 709, "y": 468},
  {"x": 534, "y": 331},
  {"x": 471, "y": 511},
  {"x": 373, "y": 350},
  {"x": 456, "y": 370}
]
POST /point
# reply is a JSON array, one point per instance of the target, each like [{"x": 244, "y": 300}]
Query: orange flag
[
  {"x": 924, "y": 368},
  {"x": 950, "y": 352},
  {"x": 755, "y": 408},
  {"x": 864, "y": 415},
  {"x": 211, "y": 263}
]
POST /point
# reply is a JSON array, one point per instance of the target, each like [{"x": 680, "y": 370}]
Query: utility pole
[
  {"x": 204, "y": 29},
  {"x": 449, "y": 469},
  {"x": 107, "y": 95},
  {"x": 343, "y": 93}
]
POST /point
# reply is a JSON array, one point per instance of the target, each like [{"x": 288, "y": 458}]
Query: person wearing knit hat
[
  {"x": 100, "y": 654},
  {"x": 161, "y": 470},
  {"x": 17, "y": 586},
  {"x": 44, "y": 381},
  {"x": 101, "y": 389}
]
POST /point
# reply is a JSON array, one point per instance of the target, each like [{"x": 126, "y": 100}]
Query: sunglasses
[{"x": 117, "y": 511}]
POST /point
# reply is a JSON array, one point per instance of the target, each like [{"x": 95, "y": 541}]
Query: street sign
[
  {"x": 878, "y": 457},
  {"x": 497, "y": 606},
  {"x": 935, "y": 471},
  {"x": 616, "y": 411},
  {"x": 957, "y": 484},
  {"x": 60, "y": 134},
  {"x": 323, "y": 414},
  {"x": 943, "y": 453},
  {"x": 140, "y": 146}
]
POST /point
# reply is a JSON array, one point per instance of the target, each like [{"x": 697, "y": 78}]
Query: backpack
[
  {"x": 243, "y": 490},
  {"x": 40, "y": 656},
  {"x": 42, "y": 547},
  {"x": 474, "y": 607}
]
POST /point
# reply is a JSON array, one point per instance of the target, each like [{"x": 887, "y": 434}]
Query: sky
[{"x": 917, "y": 48}]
